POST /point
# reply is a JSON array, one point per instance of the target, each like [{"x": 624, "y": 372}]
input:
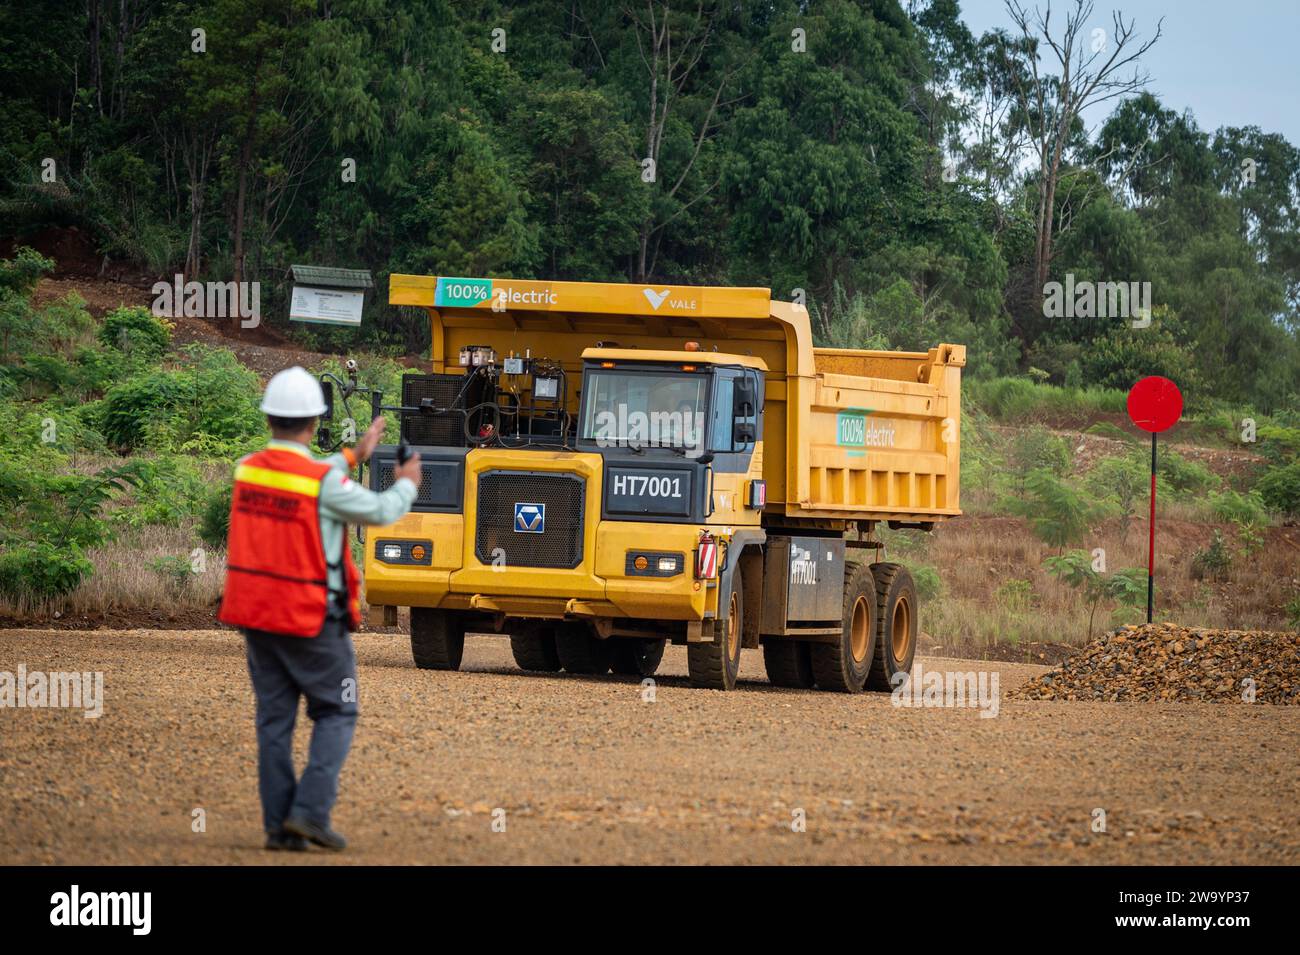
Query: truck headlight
[
  {"x": 419, "y": 553},
  {"x": 654, "y": 563}
]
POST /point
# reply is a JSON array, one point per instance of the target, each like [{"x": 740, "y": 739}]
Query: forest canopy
[{"x": 913, "y": 182}]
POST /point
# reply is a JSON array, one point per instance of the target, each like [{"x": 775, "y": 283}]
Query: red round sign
[{"x": 1155, "y": 403}]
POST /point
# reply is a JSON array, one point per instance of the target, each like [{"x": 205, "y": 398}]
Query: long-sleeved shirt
[{"x": 343, "y": 501}]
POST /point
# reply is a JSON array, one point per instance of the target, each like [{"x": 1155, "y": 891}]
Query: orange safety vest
[{"x": 276, "y": 571}]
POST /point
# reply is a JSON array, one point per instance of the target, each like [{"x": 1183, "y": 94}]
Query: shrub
[
  {"x": 130, "y": 406},
  {"x": 40, "y": 571},
  {"x": 134, "y": 330},
  {"x": 1212, "y": 562},
  {"x": 20, "y": 274},
  {"x": 44, "y": 374},
  {"x": 214, "y": 396},
  {"x": 176, "y": 573},
  {"x": 929, "y": 585},
  {"x": 1037, "y": 448},
  {"x": 1279, "y": 444},
  {"x": 99, "y": 368},
  {"x": 1184, "y": 475},
  {"x": 16, "y": 319},
  {"x": 1125, "y": 587},
  {"x": 172, "y": 491},
  {"x": 978, "y": 461},
  {"x": 1293, "y": 612},
  {"x": 1015, "y": 595},
  {"x": 1059, "y": 513},
  {"x": 1237, "y": 508},
  {"x": 1124, "y": 355},
  {"x": 1124, "y": 480},
  {"x": 60, "y": 325},
  {"x": 214, "y": 524},
  {"x": 226, "y": 396},
  {"x": 1279, "y": 488}
]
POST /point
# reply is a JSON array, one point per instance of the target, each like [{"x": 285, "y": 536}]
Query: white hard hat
[{"x": 294, "y": 393}]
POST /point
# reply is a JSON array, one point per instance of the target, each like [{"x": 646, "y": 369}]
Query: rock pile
[{"x": 1168, "y": 663}]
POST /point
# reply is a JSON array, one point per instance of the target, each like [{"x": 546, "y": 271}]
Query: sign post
[{"x": 1154, "y": 405}]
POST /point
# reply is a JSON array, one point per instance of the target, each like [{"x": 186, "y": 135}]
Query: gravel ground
[{"x": 586, "y": 770}]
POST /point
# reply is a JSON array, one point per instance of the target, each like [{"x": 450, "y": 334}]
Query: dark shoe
[
  {"x": 322, "y": 836},
  {"x": 285, "y": 842}
]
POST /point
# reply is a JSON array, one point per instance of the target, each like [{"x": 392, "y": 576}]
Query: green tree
[
  {"x": 1059, "y": 513},
  {"x": 1124, "y": 587}
]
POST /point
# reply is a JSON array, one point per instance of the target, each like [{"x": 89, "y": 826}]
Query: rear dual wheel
[
  {"x": 788, "y": 663},
  {"x": 896, "y": 623},
  {"x": 844, "y": 665}
]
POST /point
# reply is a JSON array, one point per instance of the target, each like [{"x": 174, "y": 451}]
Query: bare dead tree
[
  {"x": 1089, "y": 70},
  {"x": 671, "y": 49},
  {"x": 197, "y": 144}
]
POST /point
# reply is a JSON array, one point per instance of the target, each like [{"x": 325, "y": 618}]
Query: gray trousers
[{"x": 324, "y": 670}]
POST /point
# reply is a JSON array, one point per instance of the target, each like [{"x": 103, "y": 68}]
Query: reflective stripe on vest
[{"x": 295, "y": 483}]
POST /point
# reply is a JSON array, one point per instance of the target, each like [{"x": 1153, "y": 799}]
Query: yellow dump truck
[{"x": 610, "y": 467}]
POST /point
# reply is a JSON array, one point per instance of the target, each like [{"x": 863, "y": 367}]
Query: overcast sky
[{"x": 1232, "y": 62}]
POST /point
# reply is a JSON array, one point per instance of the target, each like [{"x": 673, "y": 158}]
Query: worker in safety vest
[{"x": 291, "y": 588}]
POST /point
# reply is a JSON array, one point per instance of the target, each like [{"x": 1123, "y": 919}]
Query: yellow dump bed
[
  {"x": 876, "y": 434},
  {"x": 848, "y": 434}
]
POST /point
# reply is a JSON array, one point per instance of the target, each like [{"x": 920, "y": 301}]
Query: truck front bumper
[{"x": 606, "y": 585}]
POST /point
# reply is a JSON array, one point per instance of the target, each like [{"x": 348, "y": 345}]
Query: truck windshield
[{"x": 645, "y": 409}]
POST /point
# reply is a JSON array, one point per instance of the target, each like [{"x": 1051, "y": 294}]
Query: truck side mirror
[
  {"x": 742, "y": 433},
  {"x": 743, "y": 397}
]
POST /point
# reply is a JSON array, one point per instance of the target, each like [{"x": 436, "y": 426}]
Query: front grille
[{"x": 559, "y": 544}]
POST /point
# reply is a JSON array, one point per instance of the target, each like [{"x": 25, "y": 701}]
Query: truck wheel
[
  {"x": 534, "y": 649},
  {"x": 843, "y": 665},
  {"x": 638, "y": 656},
  {"x": 896, "y": 621},
  {"x": 715, "y": 665},
  {"x": 788, "y": 663},
  {"x": 437, "y": 638},
  {"x": 579, "y": 651}
]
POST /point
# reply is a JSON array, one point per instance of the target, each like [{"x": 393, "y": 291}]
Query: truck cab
[{"x": 605, "y": 473}]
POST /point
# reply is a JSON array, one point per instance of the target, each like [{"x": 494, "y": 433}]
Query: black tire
[
  {"x": 788, "y": 663},
  {"x": 636, "y": 656},
  {"x": 843, "y": 666},
  {"x": 437, "y": 638},
  {"x": 896, "y": 622},
  {"x": 534, "y": 649},
  {"x": 715, "y": 665},
  {"x": 579, "y": 650}
]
